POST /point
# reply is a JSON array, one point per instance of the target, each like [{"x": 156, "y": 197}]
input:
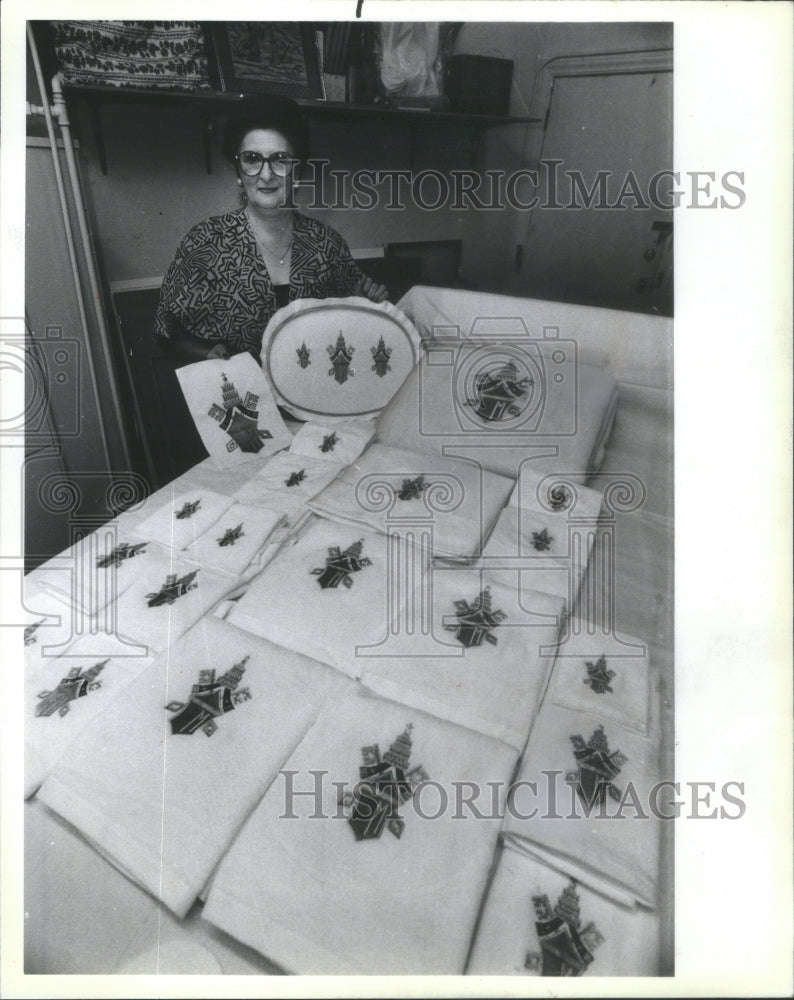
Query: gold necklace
[{"x": 266, "y": 249}]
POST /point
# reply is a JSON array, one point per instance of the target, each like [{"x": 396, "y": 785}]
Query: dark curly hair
[{"x": 277, "y": 113}]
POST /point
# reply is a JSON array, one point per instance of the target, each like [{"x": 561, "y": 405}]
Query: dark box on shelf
[{"x": 480, "y": 85}]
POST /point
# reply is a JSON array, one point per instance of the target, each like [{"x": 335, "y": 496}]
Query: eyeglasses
[{"x": 251, "y": 162}]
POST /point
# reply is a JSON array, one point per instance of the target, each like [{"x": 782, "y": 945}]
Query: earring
[{"x": 239, "y": 182}]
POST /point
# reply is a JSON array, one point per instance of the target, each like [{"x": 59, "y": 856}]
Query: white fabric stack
[
  {"x": 331, "y": 594},
  {"x": 183, "y": 518},
  {"x": 287, "y": 482},
  {"x": 167, "y": 599},
  {"x": 480, "y": 658},
  {"x": 236, "y": 540},
  {"x": 341, "y": 441},
  {"x": 64, "y": 695},
  {"x": 95, "y": 570},
  {"x": 163, "y": 779},
  {"x": 390, "y": 487},
  {"x": 602, "y": 939},
  {"x": 312, "y": 897},
  {"x": 561, "y": 413},
  {"x": 614, "y": 850},
  {"x": 233, "y": 409}
]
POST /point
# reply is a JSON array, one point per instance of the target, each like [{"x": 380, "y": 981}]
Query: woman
[{"x": 231, "y": 272}]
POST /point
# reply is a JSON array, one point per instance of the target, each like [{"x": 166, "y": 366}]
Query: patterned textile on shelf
[{"x": 167, "y": 55}]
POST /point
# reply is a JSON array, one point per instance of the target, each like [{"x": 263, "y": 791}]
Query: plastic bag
[{"x": 408, "y": 59}]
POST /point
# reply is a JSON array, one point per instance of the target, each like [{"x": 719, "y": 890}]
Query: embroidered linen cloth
[
  {"x": 95, "y": 570},
  {"x": 161, "y": 782},
  {"x": 65, "y": 694},
  {"x": 233, "y": 409},
  {"x": 552, "y": 557},
  {"x": 236, "y": 540},
  {"x": 51, "y": 625},
  {"x": 288, "y": 481},
  {"x": 339, "y": 442},
  {"x": 479, "y": 653},
  {"x": 556, "y": 498},
  {"x": 571, "y": 760},
  {"x": 167, "y": 599},
  {"x": 375, "y": 890},
  {"x": 456, "y": 501},
  {"x": 501, "y": 406},
  {"x": 329, "y": 595},
  {"x": 538, "y": 922},
  {"x": 181, "y": 515},
  {"x": 606, "y": 677}
]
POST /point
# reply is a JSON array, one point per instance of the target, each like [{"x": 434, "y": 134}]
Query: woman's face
[{"x": 266, "y": 190}]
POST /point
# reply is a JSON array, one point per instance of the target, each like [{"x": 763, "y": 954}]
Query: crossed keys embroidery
[
  {"x": 231, "y": 535},
  {"x": 76, "y": 684},
  {"x": 339, "y": 565},
  {"x": 239, "y": 419},
  {"x": 208, "y": 700},
  {"x": 476, "y": 621},
  {"x": 598, "y": 676},
  {"x": 596, "y": 768},
  {"x": 496, "y": 392},
  {"x": 566, "y": 948},
  {"x": 386, "y": 783}
]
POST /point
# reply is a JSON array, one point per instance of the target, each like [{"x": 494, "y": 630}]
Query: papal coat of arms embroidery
[
  {"x": 380, "y": 356},
  {"x": 412, "y": 488},
  {"x": 329, "y": 442},
  {"x": 597, "y": 767},
  {"x": 341, "y": 355},
  {"x": 496, "y": 392},
  {"x": 303, "y": 353},
  {"x": 566, "y": 947},
  {"x": 239, "y": 419},
  {"x": 76, "y": 684},
  {"x": 598, "y": 675},
  {"x": 210, "y": 698},
  {"x": 295, "y": 478},
  {"x": 476, "y": 621},
  {"x": 231, "y": 535},
  {"x": 172, "y": 589},
  {"x": 120, "y": 553},
  {"x": 339, "y": 565},
  {"x": 188, "y": 509},
  {"x": 541, "y": 540},
  {"x": 385, "y": 784}
]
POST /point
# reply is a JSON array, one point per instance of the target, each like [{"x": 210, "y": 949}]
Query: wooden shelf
[{"x": 212, "y": 102}]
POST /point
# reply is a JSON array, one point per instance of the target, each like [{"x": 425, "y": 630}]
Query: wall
[{"x": 530, "y": 46}]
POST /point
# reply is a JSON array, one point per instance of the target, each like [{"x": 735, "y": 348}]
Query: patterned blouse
[{"x": 218, "y": 288}]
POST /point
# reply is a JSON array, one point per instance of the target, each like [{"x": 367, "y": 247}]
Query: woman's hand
[
  {"x": 219, "y": 350},
  {"x": 370, "y": 289}
]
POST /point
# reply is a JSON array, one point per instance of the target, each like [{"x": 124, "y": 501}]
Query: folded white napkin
[
  {"x": 288, "y": 481},
  {"x": 538, "y": 922},
  {"x": 544, "y": 555},
  {"x": 181, "y": 515},
  {"x": 236, "y": 539},
  {"x": 64, "y": 695},
  {"x": 167, "y": 599},
  {"x": 161, "y": 782},
  {"x": 333, "y": 590},
  {"x": 502, "y": 403},
  {"x": 606, "y": 677},
  {"x": 477, "y": 658},
  {"x": 341, "y": 441},
  {"x": 233, "y": 409},
  {"x": 51, "y": 625},
  {"x": 615, "y": 849},
  {"x": 95, "y": 570},
  {"x": 390, "y": 487},
  {"x": 362, "y": 891}
]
